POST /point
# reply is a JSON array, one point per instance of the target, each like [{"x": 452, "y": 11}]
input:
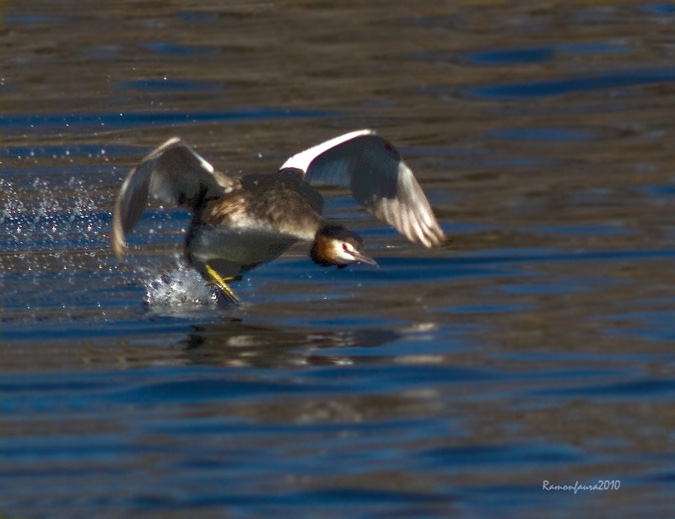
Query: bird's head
[{"x": 337, "y": 245}]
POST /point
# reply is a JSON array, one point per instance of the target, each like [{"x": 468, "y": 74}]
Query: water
[{"x": 532, "y": 351}]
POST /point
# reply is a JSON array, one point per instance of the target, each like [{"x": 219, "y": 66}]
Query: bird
[{"x": 239, "y": 223}]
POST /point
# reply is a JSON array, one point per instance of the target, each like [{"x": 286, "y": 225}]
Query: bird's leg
[{"x": 221, "y": 282}]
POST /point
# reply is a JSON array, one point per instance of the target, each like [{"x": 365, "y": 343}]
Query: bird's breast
[{"x": 241, "y": 249}]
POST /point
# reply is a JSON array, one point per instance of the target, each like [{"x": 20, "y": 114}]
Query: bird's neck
[{"x": 321, "y": 251}]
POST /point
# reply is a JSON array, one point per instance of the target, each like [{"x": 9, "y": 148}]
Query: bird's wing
[
  {"x": 172, "y": 173},
  {"x": 378, "y": 178}
]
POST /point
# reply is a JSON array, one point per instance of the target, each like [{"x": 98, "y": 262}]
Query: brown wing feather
[{"x": 173, "y": 173}]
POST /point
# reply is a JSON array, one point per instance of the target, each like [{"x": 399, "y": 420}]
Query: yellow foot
[{"x": 221, "y": 283}]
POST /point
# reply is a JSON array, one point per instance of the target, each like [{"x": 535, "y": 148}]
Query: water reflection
[{"x": 237, "y": 344}]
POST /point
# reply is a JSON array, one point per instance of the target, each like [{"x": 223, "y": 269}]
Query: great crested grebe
[{"x": 241, "y": 223}]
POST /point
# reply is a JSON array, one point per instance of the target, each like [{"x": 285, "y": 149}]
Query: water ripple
[
  {"x": 120, "y": 120},
  {"x": 548, "y": 88}
]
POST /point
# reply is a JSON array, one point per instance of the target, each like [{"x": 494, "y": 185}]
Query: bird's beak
[{"x": 362, "y": 258}]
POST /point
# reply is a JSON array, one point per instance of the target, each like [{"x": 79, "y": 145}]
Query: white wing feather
[{"x": 303, "y": 159}]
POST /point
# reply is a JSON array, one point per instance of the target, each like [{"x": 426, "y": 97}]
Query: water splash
[
  {"x": 178, "y": 289},
  {"x": 48, "y": 216},
  {"x": 55, "y": 256}
]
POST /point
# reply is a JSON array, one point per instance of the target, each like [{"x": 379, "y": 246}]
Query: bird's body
[
  {"x": 241, "y": 223},
  {"x": 262, "y": 217}
]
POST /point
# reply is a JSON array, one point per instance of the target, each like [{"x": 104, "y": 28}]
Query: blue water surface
[{"x": 531, "y": 350}]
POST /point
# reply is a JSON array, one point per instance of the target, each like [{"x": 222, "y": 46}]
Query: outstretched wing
[
  {"x": 378, "y": 178},
  {"x": 172, "y": 173}
]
